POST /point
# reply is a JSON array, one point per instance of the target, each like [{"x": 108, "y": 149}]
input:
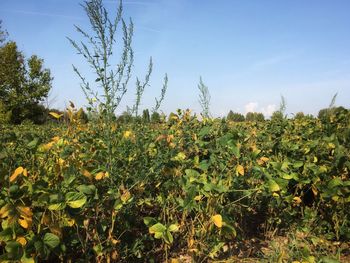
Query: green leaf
[
  {"x": 335, "y": 182},
  {"x": 204, "y": 165},
  {"x": 204, "y": 131},
  {"x": 98, "y": 249},
  {"x": 26, "y": 259},
  {"x": 273, "y": 186},
  {"x": 149, "y": 221},
  {"x": 6, "y": 235},
  {"x": 168, "y": 237},
  {"x": 192, "y": 174},
  {"x": 173, "y": 228},
  {"x": 87, "y": 189},
  {"x": 298, "y": 164},
  {"x": 230, "y": 229},
  {"x": 158, "y": 235},
  {"x": 285, "y": 166},
  {"x": 329, "y": 260},
  {"x": 34, "y": 143},
  {"x": 157, "y": 228},
  {"x": 290, "y": 176},
  {"x": 51, "y": 240},
  {"x": 14, "y": 250},
  {"x": 57, "y": 207},
  {"x": 75, "y": 199},
  {"x": 236, "y": 151}
]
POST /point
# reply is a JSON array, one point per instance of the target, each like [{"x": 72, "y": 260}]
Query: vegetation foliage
[
  {"x": 24, "y": 84},
  {"x": 181, "y": 187}
]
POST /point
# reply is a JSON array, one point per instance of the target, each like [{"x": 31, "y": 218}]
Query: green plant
[
  {"x": 162, "y": 95},
  {"x": 204, "y": 98}
]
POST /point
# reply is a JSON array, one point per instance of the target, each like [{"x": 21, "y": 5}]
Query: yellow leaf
[
  {"x": 87, "y": 174},
  {"x": 48, "y": 146},
  {"x": 198, "y": 197},
  {"x": 55, "y": 139},
  {"x": 99, "y": 176},
  {"x": 70, "y": 222},
  {"x": 25, "y": 211},
  {"x": 4, "y": 211},
  {"x": 115, "y": 241},
  {"x": 127, "y": 134},
  {"x": 23, "y": 222},
  {"x": 331, "y": 145},
  {"x": 125, "y": 196},
  {"x": 60, "y": 161},
  {"x": 217, "y": 219},
  {"x": 22, "y": 241},
  {"x": 56, "y": 115},
  {"x": 16, "y": 173},
  {"x": 262, "y": 160},
  {"x": 240, "y": 169},
  {"x": 25, "y": 172},
  {"x": 297, "y": 200}
]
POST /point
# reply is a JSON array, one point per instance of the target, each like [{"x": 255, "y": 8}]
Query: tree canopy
[{"x": 24, "y": 83}]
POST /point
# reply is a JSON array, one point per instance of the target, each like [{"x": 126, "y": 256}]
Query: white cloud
[
  {"x": 254, "y": 107},
  {"x": 269, "y": 109},
  {"x": 251, "y": 107}
]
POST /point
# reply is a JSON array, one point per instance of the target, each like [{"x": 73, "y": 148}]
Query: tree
[
  {"x": 155, "y": 117},
  {"x": 254, "y": 116},
  {"x": 125, "y": 117},
  {"x": 146, "y": 116},
  {"x": 234, "y": 116},
  {"x": 299, "y": 115},
  {"x": 24, "y": 83},
  {"x": 204, "y": 98}
]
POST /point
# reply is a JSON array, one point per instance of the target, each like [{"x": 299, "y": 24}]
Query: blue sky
[{"x": 248, "y": 52}]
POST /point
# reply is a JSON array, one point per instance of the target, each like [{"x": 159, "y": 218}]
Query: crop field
[{"x": 179, "y": 190}]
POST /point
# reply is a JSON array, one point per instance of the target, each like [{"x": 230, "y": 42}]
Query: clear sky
[{"x": 248, "y": 52}]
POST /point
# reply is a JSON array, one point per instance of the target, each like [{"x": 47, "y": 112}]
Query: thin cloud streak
[
  {"x": 272, "y": 61},
  {"x": 33, "y": 13},
  {"x": 129, "y": 2},
  {"x": 149, "y": 29}
]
